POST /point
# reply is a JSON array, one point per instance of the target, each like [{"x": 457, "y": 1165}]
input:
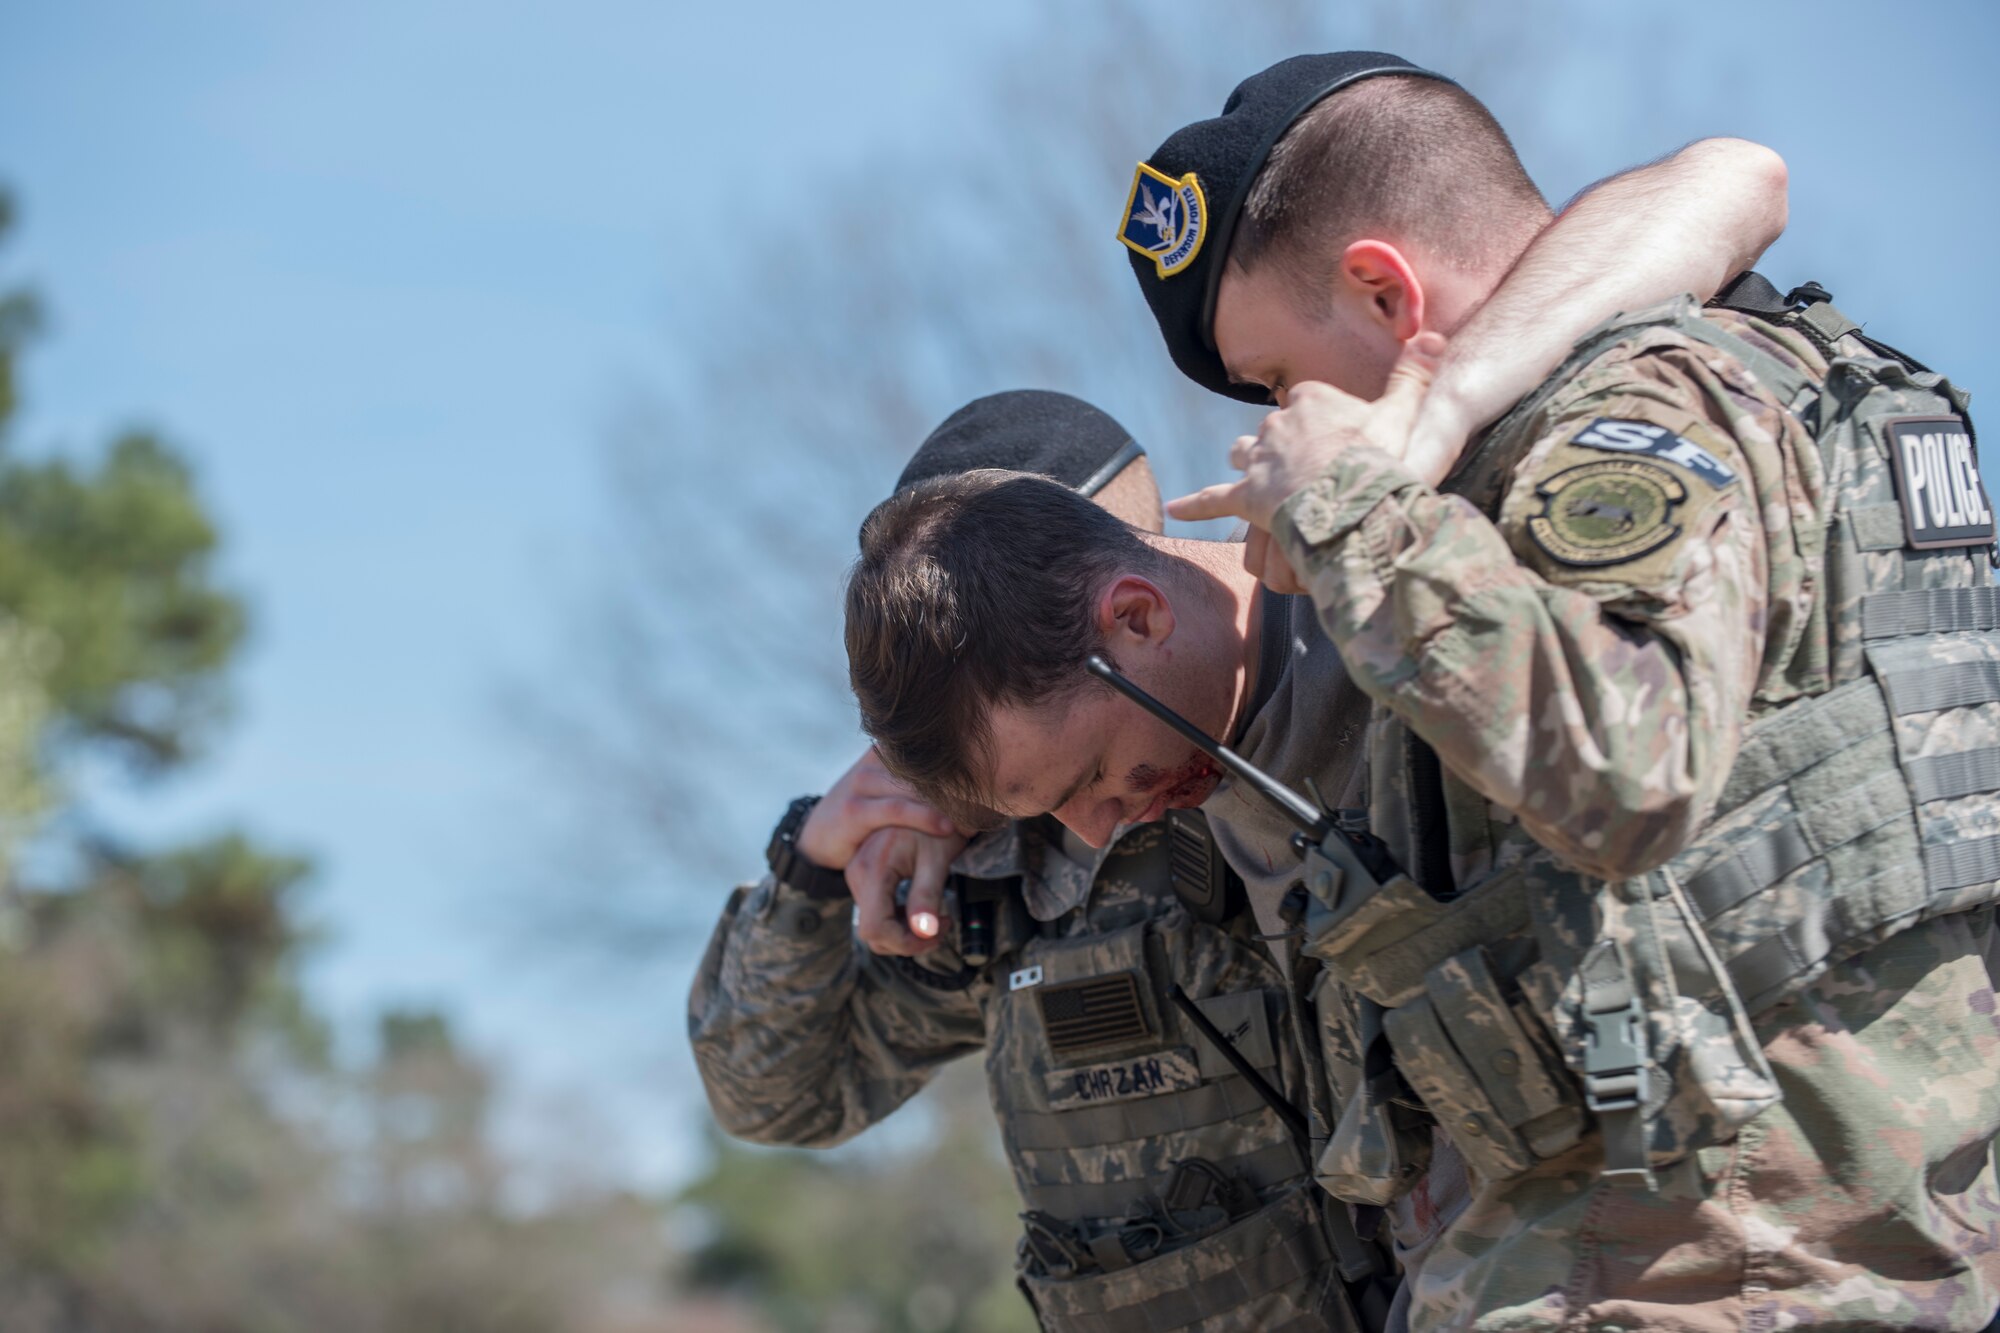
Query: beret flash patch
[
  {"x": 1607, "y": 513},
  {"x": 1165, "y": 219}
]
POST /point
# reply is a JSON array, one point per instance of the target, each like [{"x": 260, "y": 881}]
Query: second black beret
[{"x": 1027, "y": 430}]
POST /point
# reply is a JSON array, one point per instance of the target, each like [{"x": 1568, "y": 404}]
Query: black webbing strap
[
  {"x": 1432, "y": 853},
  {"x": 1293, "y": 1118},
  {"x": 1751, "y": 293}
]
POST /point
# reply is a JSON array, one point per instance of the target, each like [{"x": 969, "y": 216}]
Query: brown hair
[
  {"x": 972, "y": 591},
  {"x": 1406, "y": 159}
]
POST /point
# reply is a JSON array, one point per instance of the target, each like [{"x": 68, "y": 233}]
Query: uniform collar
[{"x": 1052, "y": 883}]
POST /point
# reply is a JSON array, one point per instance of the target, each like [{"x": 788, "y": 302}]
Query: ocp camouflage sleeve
[
  {"x": 802, "y": 1035},
  {"x": 1588, "y": 661}
]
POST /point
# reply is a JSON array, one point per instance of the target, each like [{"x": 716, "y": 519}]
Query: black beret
[
  {"x": 1181, "y": 212},
  {"x": 1027, "y": 430}
]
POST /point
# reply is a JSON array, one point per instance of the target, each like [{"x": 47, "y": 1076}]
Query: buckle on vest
[{"x": 1614, "y": 1060}]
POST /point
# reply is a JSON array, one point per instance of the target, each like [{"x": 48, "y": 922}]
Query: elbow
[
  {"x": 1761, "y": 182},
  {"x": 755, "y": 1116},
  {"x": 1631, "y": 842}
]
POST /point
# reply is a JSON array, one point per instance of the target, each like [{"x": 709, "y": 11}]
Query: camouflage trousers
[{"x": 1866, "y": 1199}]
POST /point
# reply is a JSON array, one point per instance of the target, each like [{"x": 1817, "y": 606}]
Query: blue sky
[{"x": 385, "y": 269}]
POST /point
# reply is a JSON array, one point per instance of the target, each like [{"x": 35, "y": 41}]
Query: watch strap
[{"x": 792, "y": 867}]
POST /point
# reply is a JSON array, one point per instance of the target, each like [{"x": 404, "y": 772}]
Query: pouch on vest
[
  {"x": 1381, "y": 1145},
  {"x": 1267, "y": 1270},
  {"x": 1478, "y": 1059}
]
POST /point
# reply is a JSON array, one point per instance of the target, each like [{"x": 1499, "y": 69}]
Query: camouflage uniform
[
  {"x": 1713, "y": 909},
  {"x": 1102, "y": 1088}
]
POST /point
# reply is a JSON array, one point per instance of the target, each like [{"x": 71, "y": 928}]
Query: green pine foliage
[{"x": 179, "y": 1150}]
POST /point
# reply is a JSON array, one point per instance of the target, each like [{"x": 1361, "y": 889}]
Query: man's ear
[
  {"x": 1382, "y": 277},
  {"x": 1133, "y": 612}
]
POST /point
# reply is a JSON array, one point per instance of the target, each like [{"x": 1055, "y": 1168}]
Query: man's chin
[
  {"x": 1182, "y": 796},
  {"x": 1194, "y": 792}
]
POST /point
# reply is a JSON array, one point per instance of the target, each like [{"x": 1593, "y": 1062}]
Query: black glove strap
[{"x": 794, "y": 868}]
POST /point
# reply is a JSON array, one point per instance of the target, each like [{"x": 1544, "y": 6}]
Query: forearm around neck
[{"x": 1685, "y": 224}]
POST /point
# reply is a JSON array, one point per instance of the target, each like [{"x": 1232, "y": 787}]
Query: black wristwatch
[{"x": 793, "y": 867}]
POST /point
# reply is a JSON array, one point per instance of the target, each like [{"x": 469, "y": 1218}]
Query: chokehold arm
[{"x": 1687, "y": 223}]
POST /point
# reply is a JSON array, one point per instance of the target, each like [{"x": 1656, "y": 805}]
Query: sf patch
[
  {"x": 1937, "y": 479},
  {"x": 1164, "y": 219},
  {"x": 1607, "y": 513},
  {"x": 1643, "y": 437}
]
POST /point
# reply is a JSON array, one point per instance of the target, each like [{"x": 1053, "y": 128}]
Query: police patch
[
  {"x": 1607, "y": 513},
  {"x": 1937, "y": 479},
  {"x": 1643, "y": 437},
  {"x": 1164, "y": 219}
]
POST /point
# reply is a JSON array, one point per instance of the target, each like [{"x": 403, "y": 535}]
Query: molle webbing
[
  {"x": 1829, "y": 765},
  {"x": 1944, "y": 777},
  {"x": 1855, "y": 801},
  {"x": 1262, "y": 1168},
  {"x": 1145, "y": 1118},
  {"x": 1942, "y": 685},
  {"x": 1890, "y": 615},
  {"x": 1278, "y": 1247}
]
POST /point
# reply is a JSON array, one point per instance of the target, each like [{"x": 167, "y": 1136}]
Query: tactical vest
[
  {"x": 1538, "y": 1002},
  {"x": 1162, "y": 1189}
]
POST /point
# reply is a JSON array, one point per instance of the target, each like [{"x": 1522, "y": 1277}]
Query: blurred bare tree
[{"x": 704, "y": 682}]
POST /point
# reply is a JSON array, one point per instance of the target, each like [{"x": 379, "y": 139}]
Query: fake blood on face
[{"x": 1188, "y": 785}]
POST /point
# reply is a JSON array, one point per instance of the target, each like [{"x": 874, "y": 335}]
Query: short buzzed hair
[
  {"x": 1408, "y": 159},
  {"x": 973, "y": 591}
]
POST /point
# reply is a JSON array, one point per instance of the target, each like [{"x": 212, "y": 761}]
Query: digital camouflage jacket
[{"x": 1160, "y": 1190}]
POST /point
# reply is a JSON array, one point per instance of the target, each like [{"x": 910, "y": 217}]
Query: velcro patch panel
[
  {"x": 1937, "y": 479},
  {"x": 1096, "y": 1011}
]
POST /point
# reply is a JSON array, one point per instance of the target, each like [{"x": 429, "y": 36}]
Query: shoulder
[{"x": 1641, "y": 452}]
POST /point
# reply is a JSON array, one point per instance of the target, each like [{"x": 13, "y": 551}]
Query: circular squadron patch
[{"x": 1607, "y": 513}]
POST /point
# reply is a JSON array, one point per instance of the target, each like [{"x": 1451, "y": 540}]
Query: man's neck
[{"x": 1228, "y": 606}]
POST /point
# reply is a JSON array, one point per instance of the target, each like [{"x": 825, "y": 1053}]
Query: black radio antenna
[{"x": 1313, "y": 822}]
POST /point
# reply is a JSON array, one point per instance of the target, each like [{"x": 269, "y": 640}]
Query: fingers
[
  {"x": 907, "y": 812},
  {"x": 885, "y": 801},
  {"x": 1239, "y": 452},
  {"x": 867, "y": 798},
  {"x": 1263, "y": 558},
  {"x": 1278, "y": 575},
  {"x": 924, "y": 910},
  {"x": 872, "y": 877},
  {"x": 1222, "y": 500},
  {"x": 1416, "y": 366},
  {"x": 1256, "y": 543}
]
